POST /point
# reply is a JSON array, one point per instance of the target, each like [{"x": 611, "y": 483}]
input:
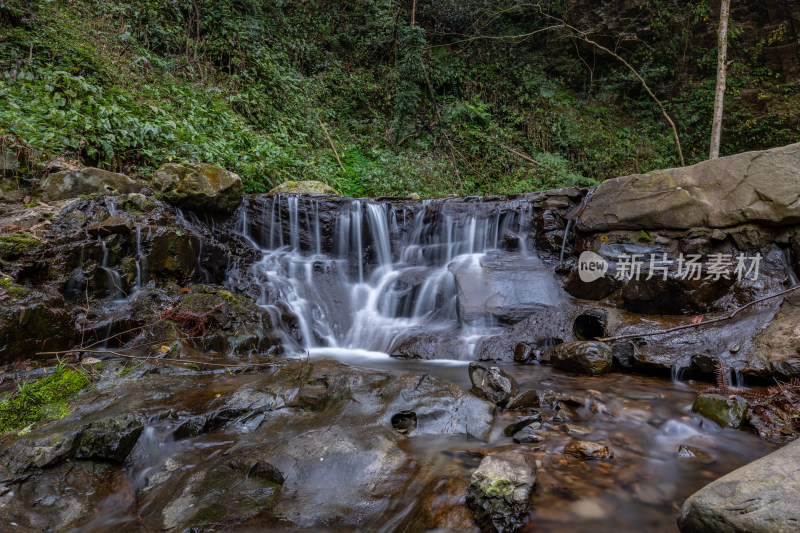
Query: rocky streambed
[{"x": 310, "y": 361}]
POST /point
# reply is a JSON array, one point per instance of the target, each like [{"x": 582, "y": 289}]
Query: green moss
[
  {"x": 45, "y": 399},
  {"x": 499, "y": 488},
  {"x": 12, "y": 290},
  {"x": 14, "y": 245},
  {"x": 643, "y": 236}
]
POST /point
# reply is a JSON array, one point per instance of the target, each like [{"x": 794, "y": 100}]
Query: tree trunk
[{"x": 722, "y": 53}]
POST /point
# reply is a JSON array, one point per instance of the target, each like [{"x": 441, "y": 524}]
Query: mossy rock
[
  {"x": 304, "y": 187},
  {"x": 200, "y": 187},
  {"x": 727, "y": 412},
  {"x": 47, "y": 398},
  {"x": 11, "y": 289},
  {"x": 13, "y": 245}
]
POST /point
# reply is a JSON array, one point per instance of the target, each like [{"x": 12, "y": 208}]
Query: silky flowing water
[{"x": 392, "y": 271}]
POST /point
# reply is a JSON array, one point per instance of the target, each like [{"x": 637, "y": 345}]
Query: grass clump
[{"x": 47, "y": 398}]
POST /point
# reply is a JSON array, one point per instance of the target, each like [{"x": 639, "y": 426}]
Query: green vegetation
[
  {"x": 45, "y": 399},
  {"x": 499, "y": 488},
  {"x": 10, "y": 289},
  {"x": 13, "y": 245},
  {"x": 452, "y": 104}
]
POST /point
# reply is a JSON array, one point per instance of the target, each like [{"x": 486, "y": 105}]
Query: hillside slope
[{"x": 476, "y": 97}]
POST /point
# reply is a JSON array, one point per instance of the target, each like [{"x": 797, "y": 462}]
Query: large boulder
[
  {"x": 200, "y": 187},
  {"x": 751, "y": 187},
  {"x": 87, "y": 181},
  {"x": 304, "y": 187},
  {"x": 500, "y": 491},
  {"x": 760, "y": 497}
]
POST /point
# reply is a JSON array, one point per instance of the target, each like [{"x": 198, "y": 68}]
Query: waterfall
[{"x": 388, "y": 269}]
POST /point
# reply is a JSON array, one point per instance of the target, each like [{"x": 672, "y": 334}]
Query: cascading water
[{"x": 388, "y": 270}]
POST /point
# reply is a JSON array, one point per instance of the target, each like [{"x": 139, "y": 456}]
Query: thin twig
[
  {"x": 332, "y": 145},
  {"x": 704, "y": 323}
]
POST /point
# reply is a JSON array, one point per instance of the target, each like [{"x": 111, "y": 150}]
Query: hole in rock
[
  {"x": 404, "y": 422},
  {"x": 590, "y": 326}
]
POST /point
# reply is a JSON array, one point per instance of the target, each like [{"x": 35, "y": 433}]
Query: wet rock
[
  {"x": 694, "y": 455},
  {"x": 750, "y": 187},
  {"x": 87, "y": 181},
  {"x": 525, "y": 401},
  {"x": 31, "y": 322},
  {"x": 591, "y": 358},
  {"x": 306, "y": 187},
  {"x": 210, "y": 318},
  {"x": 528, "y": 434},
  {"x": 173, "y": 253},
  {"x": 523, "y": 422},
  {"x": 293, "y": 455},
  {"x": 490, "y": 287},
  {"x": 776, "y": 350},
  {"x": 588, "y": 450},
  {"x": 500, "y": 489},
  {"x": 548, "y": 397},
  {"x": 492, "y": 383},
  {"x": 200, "y": 187},
  {"x": 523, "y": 353},
  {"x": 111, "y": 226},
  {"x": 110, "y": 439},
  {"x": 760, "y": 497},
  {"x": 424, "y": 346},
  {"x": 725, "y": 411},
  {"x": 623, "y": 353}
]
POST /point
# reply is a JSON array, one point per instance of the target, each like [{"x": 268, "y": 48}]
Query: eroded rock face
[
  {"x": 758, "y": 498},
  {"x": 583, "y": 357},
  {"x": 87, "y": 181},
  {"x": 199, "y": 186},
  {"x": 500, "y": 490},
  {"x": 752, "y": 187}
]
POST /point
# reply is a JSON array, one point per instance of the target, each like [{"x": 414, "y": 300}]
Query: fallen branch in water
[{"x": 703, "y": 323}]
